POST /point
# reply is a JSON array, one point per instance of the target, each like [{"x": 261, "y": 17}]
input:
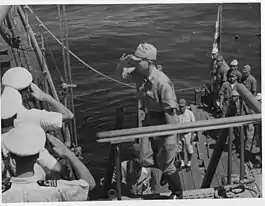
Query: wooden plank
[
  {"x": 199, "y": 114},
  {"x": 183, "y": 180},
  {"x": 187, "y": 176},
  {"x": 197, "y": 174}
]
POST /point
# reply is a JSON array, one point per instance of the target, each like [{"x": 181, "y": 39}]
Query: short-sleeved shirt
[
  {"x": 158, "y": 92},
  {"x": 46, "y": 119},
  {"x": 221, "y": 72},
  {"x": 251, "y": 83},
  {"x": 28, "y": 190},
  {"x": 45, "y": 163},
  {"x": 227, "y": 89},
  {"x": 186, "y": 117}
]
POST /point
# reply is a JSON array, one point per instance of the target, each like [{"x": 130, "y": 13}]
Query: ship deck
[{"x": 203, "y": 150}]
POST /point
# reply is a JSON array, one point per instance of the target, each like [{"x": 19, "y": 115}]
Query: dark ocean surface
[{"x": 183, "y": 35}]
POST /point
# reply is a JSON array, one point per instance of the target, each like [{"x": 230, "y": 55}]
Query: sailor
[
  {"x": 225, "y": 94},
  {"x": 186, "y": 116},
  {"x": 21, "y": 79},
  {"x": 234, "y": 66},
  {"x": 248, "y": 80},
  {"x": 25, "y": 186},
  {"x": 214, "y": 66},
  {"x": 134, "y": 178},
  {"x": 235, "y": 111},
  {"x": 221, "y": 70},
  {"x": 157, "y": 93},
  {"x": 250, "y": 83},
  {"x": 11, "y": 102}
]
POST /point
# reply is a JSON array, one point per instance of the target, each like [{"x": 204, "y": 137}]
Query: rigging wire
[{"x": 85, "y": 64}]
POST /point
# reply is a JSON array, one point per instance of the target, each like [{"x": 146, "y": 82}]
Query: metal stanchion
[
  {"x": 118, "y": 172},
  {"x": 229, "y": 162}
]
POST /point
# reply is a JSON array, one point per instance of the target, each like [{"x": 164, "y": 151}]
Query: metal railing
[{"x": 127, "y": 135}]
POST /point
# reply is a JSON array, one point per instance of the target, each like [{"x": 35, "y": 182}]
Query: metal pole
[
  {"x": 118, "y": 172},
  {"x": 109, "y": 170},
  {"x": 242, "y": 153},
  {"x": 69, "y": 78},
  {"x": 169, "y": 129},
  {"x": 242, "y": 145},
  {"x": 38, "y": 51},
  {"x": 229, "y": 162},
  {"x": 63, "y": 49}
]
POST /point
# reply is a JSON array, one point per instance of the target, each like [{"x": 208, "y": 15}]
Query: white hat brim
[
  {"x": 25, "y": 140},
  {"x": 17, "y": 78},
  {"x": 11, "y": 102}
]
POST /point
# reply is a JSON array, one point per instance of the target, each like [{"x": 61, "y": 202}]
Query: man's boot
[{"x": 175, "y": 185}]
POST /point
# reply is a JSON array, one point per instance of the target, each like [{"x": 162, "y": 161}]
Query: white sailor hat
[
  {"x": 17, "y": 78},
  {"x": 144, "y": 51},
  {"x": 11, "y": 102},
  {"x": 25, "y": 139}
]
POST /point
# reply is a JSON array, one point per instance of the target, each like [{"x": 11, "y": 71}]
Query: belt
[{"x": 156, "y": 114}]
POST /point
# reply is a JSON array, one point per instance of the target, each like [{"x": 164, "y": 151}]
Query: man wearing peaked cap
[
  {"x": 11, "y": 102},
  {"x": 21, "y": 79},
  {"x": 248, "y": 80},
  {"x": 225, "y": 95},
  {"x": 250, "y": 83},
  {"x": 144, "y": 51},
  {"x": 25, "y": 140},
  {"x": 128, "y": 63},
  {"x": 161, "y": 107},
  {"x": 24, "y": 143},
  {"x": 17, "y": 78},
  {"x": 234, "y": 66}
]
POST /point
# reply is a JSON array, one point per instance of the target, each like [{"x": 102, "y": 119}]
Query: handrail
[{"x": 127, "y": 135}]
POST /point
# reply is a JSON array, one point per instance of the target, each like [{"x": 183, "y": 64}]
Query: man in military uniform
[
  {"x": 24, "y": 143},
  {"x": 157, "y": 93},
  {"x": 21, "y": 79},
  {"x": 234, "y": 66},
  {"x": 248, "y": 80},
  {"x": 225, "y": 94}
]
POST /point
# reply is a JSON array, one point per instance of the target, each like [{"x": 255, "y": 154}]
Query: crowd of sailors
[
  {"x": 31, "y": 174},
  {"x": 157, "y": 95}
]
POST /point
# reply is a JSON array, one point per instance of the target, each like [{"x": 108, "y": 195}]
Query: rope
[
  {"x": 84, "y": 63},
  {"x": 79, "y": 59}
]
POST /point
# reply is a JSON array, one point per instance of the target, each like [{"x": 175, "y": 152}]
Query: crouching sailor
[{"x": 24, "y": 143}]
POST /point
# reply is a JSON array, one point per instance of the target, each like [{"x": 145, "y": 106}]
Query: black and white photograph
[{"x": 131, "y": 101}]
